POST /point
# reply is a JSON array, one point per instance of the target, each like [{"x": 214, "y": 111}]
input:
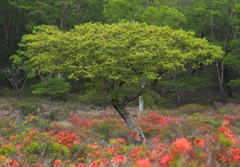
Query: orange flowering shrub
[{"x": 189, "y": 141}]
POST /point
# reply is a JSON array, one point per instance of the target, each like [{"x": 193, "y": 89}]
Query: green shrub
[
  {"x": 190, "y": 109},
  {"x": 229, "y": 108},
  {"x": 27, "y": 108},
  {"x": 165, "y": 103},
  {"x": 7, "y": 92}
]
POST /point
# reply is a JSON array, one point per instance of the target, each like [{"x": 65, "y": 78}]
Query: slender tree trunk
[
  {"x": 158, "y": 91},
  {"x": 50, "y": 104},
  {"x": 141, "y": 106},
  {"x": 220, "y": 79},
  {"x": 131, "y": 124},
  {"x": 230, "y": 92},
  {"x": 178, "y": 94},
  {"x": 141, "y": 101},
  {"x": 220, "y": 70},
  {"x": 177, "y": 90},
  {"x": 227, "y": 78},
  {"x": 18, "y": 96}
]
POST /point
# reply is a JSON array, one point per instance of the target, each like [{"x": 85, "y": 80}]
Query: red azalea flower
[
  {"x": 119, "y": 159},
  {"x": 111, "y": 151},
  {"x": 121, "y": 140},
  {"x": 182, "y": 143},
  {"x": 31, "y": 117},
  {"x": 15, "y": 163},
  {"x": 143, "y": 163},
  {"x": 18, "y": 146},
  {"x": 94, "y": 164},
  {"x": 57, "y": 162},
  {"x": 226, "y": 122},
  {"x": 90, "y": 155},
  {"x": 105, "y": 161},
  {"x": 165, "y": 161},
  {"x": 80, "y": 165},
  {"x": 200, "y": 142}
]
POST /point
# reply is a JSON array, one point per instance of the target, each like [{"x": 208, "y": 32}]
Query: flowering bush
[
  {"x": 190, "y": 109},
  {"x": 90, "y": 141}
]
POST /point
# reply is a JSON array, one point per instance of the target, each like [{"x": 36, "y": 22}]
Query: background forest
[{"x": 217, "y": 21}]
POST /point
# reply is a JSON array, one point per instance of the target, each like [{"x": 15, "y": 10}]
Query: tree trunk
[
  {"x": 18, "y": 96},
  {"x": 141, "y": 106},
  {"x": 131, "y": 124},
  {"x": 227, "y": 78},
  {"x": 176, "y": 89},
  {"x": 50, "y": 103},
  {"x": 178, "y": 94},
  {"x": 141, "y": 101},
  {"x": 220, "y": 79},
  {"x": 157, "y": 91}
]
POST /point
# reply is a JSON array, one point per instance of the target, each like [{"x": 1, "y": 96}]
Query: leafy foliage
[
  {"x": 115, "y": 56},
  {"x": 157, "y": 16},
  {"x": 51, "y": 86},
  {"x": 64, "y": 14}
]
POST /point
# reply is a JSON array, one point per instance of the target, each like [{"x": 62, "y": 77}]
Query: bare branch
[{"x": 17, "y": 78}]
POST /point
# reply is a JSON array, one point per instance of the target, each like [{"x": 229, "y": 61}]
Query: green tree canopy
[
  {"x": 163, "y": 16},
  {"x": 62, "y": 13},
  {"x": 158, "y": 13},
  {"x": 118, "y": 10},
  {"x": 115, "y": 57},
  {"x": 11, "y": 31}
]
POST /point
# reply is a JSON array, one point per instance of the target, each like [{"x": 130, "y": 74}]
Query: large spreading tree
[{"x": 115, "y": 58}]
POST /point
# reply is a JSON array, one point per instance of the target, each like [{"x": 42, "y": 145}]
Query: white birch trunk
[
  {"x": 141, "y": 106},
  {"x": 141, "y": 101}
]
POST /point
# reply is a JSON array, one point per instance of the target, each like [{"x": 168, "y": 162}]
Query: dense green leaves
[
  {"x": 11, "y": 31},
  {"x": 115, "y": 57},
  {"x": 118, "y": 10},
  {"x": 188, "y": 82},
  {"x": 51, "y": 86},
  {"x": 62, "y": 13},
  {"x": 163, "y": 16},
  {"x": 152, "y": 12}
]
